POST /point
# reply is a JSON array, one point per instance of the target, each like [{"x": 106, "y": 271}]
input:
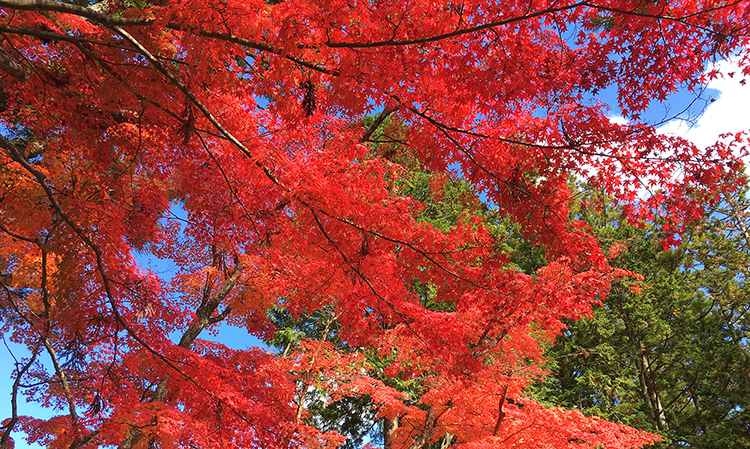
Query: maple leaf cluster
[{"x": 246, "y": 116}]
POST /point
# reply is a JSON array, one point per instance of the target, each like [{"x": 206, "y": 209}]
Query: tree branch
[
  {"x": 96, "y": 16},
  {"x": 11, "y": 67},
  {"x": 500, "y": 413},
  {"x": 439, "y": 37},
  {"x": 5, "y": 439},
  {"x": 426, "y": 435},
  {"x": 376, "y": 124}
]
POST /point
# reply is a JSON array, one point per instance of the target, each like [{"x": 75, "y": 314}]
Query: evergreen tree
[{"x": 670, "y": 353}]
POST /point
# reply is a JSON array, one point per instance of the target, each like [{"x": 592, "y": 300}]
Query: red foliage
[{"x": 130, "y": 110}]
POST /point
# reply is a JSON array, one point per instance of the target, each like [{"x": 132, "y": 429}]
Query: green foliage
[
  {"x": 319, "y": 325},
  {"x": 669, "y": 354}
]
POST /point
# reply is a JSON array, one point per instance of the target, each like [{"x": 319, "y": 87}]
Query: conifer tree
[{"x": 670, "y": 353}]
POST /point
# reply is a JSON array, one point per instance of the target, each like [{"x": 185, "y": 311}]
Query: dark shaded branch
[
  {"x": 5, "y": 439},
  {"x": 11, "y": 67},
  {"x": 500, "y": 413},
  {"x": 205, "y": 311},
  {"x": 110, "y": 21},
  {"x": 439, "y": 37},
  {"x": 376, "y": 124},
  {"x": 426, "y": 435}
]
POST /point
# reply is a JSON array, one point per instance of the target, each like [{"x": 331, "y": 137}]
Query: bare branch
[
  {"x": 5, "y": 439},
  {"x": 378, "y": 121}
]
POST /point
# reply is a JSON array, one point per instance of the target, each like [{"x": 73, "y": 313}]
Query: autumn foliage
[{"x": 246, "y": 117}]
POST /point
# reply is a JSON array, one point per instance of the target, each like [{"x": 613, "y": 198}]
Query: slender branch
[
  {"x": 682, "y": 20},
  {"x": 75, "y": 423},
  {"x": 259, "y": 46},
  {"x": 64, "y": 382},
  {"x": 107, "y": 20},
  {"x": 42, "y": 34},
  {"x": 529, "y": 15},
  {"x": 5, "y": 439},
  {"x": 425, "y": 254},
  {"x": 69, "y": 8},
  {"x": 366, "y": 281},
  {"x": 18, "y": 236},
  {"x": 577, "y": 147},
  {"x": 439, "y": 37}
]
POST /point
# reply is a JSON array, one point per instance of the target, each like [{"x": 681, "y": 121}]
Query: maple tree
[{"x": 248, "y": 116}]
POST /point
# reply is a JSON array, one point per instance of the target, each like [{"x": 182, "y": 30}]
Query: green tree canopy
[{"x": 670, "y": 353}]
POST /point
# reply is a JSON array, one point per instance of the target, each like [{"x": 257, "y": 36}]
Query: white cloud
[
  {"x": 728, "y": 114},
  {"x": 618, "y": 120}
]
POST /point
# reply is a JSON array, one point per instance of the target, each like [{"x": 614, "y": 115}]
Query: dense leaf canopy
[{"x": 247, "y": 117}]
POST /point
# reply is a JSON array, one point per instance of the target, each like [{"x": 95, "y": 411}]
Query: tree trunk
[
  {"x": 649, "y": 391},
  {"x": 389, "y": 426}
]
